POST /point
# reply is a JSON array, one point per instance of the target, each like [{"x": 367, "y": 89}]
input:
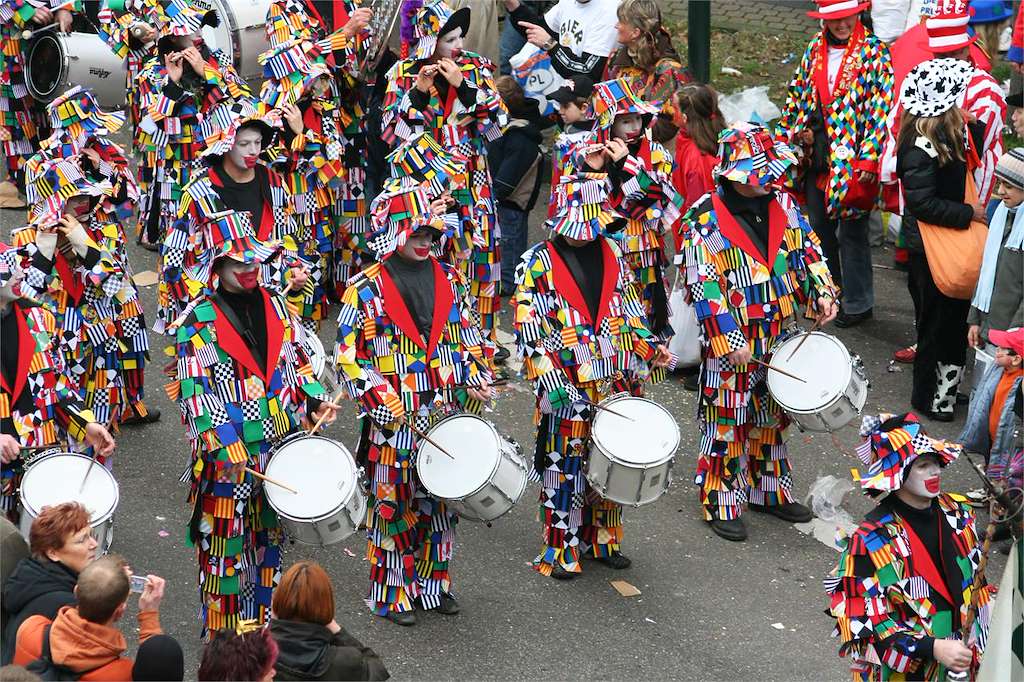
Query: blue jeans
[
  {"x": 512, "y": 222},
  {"x": 511, "y": 43}
]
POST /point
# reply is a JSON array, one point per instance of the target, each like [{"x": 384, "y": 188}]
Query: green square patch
[
  {"x": 887, "y": 576},
  {"x": 252, "y": 432}
]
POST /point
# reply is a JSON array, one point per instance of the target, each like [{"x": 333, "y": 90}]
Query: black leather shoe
[
  {"x": 691, "y": 382},
  {"x": 845, "y": 320},
  {"x": 403, "y": 618},
  {"x": 448, "y": 605},
  {"x": 734, "y": 530},
  {"x": 151, "y": 417},
  {"x": 617, "y": 561},
  {"x": 941, "y": 416},
  {"x": 559, "y": 573},
  {"x": 793, "y": 512},
  {"x": 501, "y": 355}
]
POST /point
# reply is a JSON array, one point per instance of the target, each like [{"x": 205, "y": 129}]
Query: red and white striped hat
[
  {"x": 837, "y": 9},
  {"x": 947, "y": 26}
]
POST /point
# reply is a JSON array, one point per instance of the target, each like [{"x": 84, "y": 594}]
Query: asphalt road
[{"x": 708, "y": 609}]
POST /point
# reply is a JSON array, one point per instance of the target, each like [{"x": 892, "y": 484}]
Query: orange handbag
[{"x": 954, "y": 256}]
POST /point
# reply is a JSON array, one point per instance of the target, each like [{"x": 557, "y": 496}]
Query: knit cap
[{"x": 1010, "y": 168}]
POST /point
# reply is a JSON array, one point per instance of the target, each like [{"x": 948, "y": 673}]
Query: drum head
[
  {"x": 55, "y": 479},
  {"x": 47, "y": 66},
  {"x": 645, "y": 434},
  {"x": 474, "y": 445},
  {"x": 823, "y": 362},
  {"x": 320, "y": 469}
]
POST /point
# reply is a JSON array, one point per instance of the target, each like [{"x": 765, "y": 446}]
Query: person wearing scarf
[
  {"x": 905, "y": 579},
  {"x": 841, "y": 92}
]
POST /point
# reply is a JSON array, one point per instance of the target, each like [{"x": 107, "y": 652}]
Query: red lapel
[
  {"x": 275, "y": 335},
  {"x": 732, "y": 230},
  {"x": 845, "y": 73},
  {"x": 231, "y": 342},
  {"x": 610, "y": 278},
  {"x": 566, "y": 284},
  {"x": 68, "y": 280},
  {"x": 777, "y": 223},
  {"x": 26, "y": 348},
  {"x": 396, "y": 309},
  {"x": 449, "y": 101},
  {"x": 443, "y": 299},
  {"x": 921, "y": 563}
]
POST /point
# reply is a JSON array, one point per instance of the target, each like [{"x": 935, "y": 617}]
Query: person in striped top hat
[{"x": 906, "y": 577}]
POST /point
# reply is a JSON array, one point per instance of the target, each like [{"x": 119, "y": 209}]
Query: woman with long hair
[
  {"x": 935, "y": 145},
  {"x": 700, "y": 121}
]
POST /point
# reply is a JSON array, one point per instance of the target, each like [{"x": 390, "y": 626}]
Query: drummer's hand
[
  {"x": 175, "y": 64},
  {"x": 99, "y": 438},
  {"x": 293, "y": 115},
  {"x": 662, "y": 357},
  {"x": 297, "y": 277},
  {"x": 42, "y": 16},
  {"x": 357, "y": 21},
  {"x": 231, "y": 473},
  {"x": 827, "y": 310},
  {"x": 952, "y": 654},
  {"x": 63, "y": 17},
  {"x": 326, "y": 408},
  {"x": 9, "y": 448},
  {"x": 740, "y": 357},
  {"x": 482, "y": 393},
  {"x": 94, "y": 157}
]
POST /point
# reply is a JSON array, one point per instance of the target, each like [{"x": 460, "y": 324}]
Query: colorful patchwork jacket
[
  {"x": 231, "y": 407},
  {"x": 854, "y": 113},
  {"x": 561, "y": 345},
  {"x": 883, "y": 605},
  {"x": 114, "y": 27},
  {"x": 387, "y": 366},
  {"x": 740, "y": 297}
]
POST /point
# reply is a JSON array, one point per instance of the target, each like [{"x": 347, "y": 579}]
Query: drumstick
[
  {"x": 28, "y": 33},
  {"x": 780, "y": 371},
  {"x": 268, "y": 479},
  {"x": 814, "y": 328},
  {"x": 610, "y": 410},
  {"x": 427, "y": 438},
  {"x": 85, "y": 478}
]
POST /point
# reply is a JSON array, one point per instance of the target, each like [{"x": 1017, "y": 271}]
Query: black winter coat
[
  {"x": 933, "y": 193},
  {"x": 36, "y": 588},
  {"x": 308, "y": 651}
]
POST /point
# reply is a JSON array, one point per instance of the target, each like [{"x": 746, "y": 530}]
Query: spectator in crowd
[
  {"x": 988, "y": 19},
  {"x": 159, "y": 658},
  {"x": 932, "y": 165},
  {"x": 648, "y": 61},
  {"x": 84, "y": 639},
  {"x": 578, "y": 35},
  {"x": 482, "y": 34},
  {"x": 577, "y": 117},
  {"x": 246, "y": 655},
  {"x": 889, "y": 18},
  {"x": 700, "y": 122},
  {"x": 62, "y": 544},
  {"x": 512, "y": 41},
  {"x": 515, "y": 173},
  {"x": 13, "y": 549},
  {"x": 311, "y": 644}
]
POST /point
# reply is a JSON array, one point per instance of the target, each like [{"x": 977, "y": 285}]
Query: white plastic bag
[
  {"x": 686, "y": 342},
  {"x": 751, "y": 104}
]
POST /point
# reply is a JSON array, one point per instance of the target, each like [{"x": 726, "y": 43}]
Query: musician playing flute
[
  {"x": 582, "y": 334},
  {"x": 409, "y": 352},
  {"x": 39, "y": 406},
  {"x": 906, "y": 577},
  {"x": 243, "y": 382},
  {"x": 750, "y": 261}
]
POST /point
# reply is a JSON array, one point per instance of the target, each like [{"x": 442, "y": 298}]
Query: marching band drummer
[
  {"x": 128, "y": 27},
  {"x": 242, "y": 381},
  {"x": 582, "y": 334},
  {"x": 39, "y": 406},
  {"x": 409, "y": 352},
  {"x": 905, "y": 580},
  {"x": 750, "y": 260}
]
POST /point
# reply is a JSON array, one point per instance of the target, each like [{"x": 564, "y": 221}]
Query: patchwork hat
[
  {"x": 10, "y": 263},
  {"x": 184, "y": 17},
  {"x": 581, "y": 204},
  {"x": 615, "y": 97},
  {"x": 60, "y": 179},
  {"x": 229, "y": 235},
  {"x": 218, "y": 130},
  {"x": 751, "y": 156},
  {"x": 837, "y": 9},
  {"x": 1011, "y": 338},
  {"x": 1010, "y": 167},
  {"x": 947, "y": 27},
  {"x": 891, "y": 444},
  {"x": 424, "y": 21},
  {"x": 402, "y": 208},
  {"x": 423, "y": 159},
  {"x": 288, "y": 69},
  {"x": 77, "y": 113},
  {"x": 936, "y": 86}
]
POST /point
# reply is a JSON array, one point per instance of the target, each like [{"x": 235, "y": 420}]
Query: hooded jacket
[
  {"x": 83, "y": 646},
  {"x": 308, "y": 651},
  {"x": 35, "y": 588}
]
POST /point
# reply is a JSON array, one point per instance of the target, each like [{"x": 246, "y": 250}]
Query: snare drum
[
  {"x": 55, "y": 62},
  {"x": 487, "y": 475},
  {"x": 630, "y": 458},
  {"x": 836, "y": 385},
  {"x": 241, "y": 34},
  {"x": 330, "y": 503},
  {"x": 53, "y": 479}
]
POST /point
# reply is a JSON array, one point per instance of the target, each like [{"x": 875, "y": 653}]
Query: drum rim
[
  {"x": 93, "y": 522},
  {"x": 840, "y": 393},
  {"x": 65, "y": 61},
  {"x": 497, "y": 460},
  {"x": 607, "y": 402},
  {"x": 294, "y": 438}
]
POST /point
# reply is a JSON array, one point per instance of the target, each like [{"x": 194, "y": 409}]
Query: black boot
[
  {"x": 617, "y": 561},
  {"x": 793, "y": 512},
  {"x": 559, "y": 573},
  {"x": 403, "y": 618},
  {"x": 448, "y": 605},
  {"x": 734, "y": 530}
]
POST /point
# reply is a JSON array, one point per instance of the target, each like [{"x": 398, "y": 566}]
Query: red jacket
[
  {"x": 1016, "y": 52},
  {"x": 692, "y": 175},
  {"x": 81, "y": 645}
]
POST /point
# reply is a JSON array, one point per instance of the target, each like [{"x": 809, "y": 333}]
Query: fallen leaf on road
[
  {"x": 625, "y": 589},
  {"x": 146, "y": 278}
]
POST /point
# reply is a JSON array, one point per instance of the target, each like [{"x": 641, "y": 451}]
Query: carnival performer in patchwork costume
[
  {"x": 905, "y": 579},
  {"x": 232, "y": 178},
  {"x": 751, "y": 262},
  {"x": 582, "y": 334},
  {"x": 838, "y": 101},
  {"x": 243, "y": 382},
  {"x": 642, "y": 193},
  {"x": 39, "y": 406},
  {"x": 449, "y": 92},
  {"x": 410, "y": 351},
  {"x": 20, "y": 121},
  {"x": 76, "y": 270},
  {"x": 128, "y": 27},
  {"x": 177, "y": 88}
]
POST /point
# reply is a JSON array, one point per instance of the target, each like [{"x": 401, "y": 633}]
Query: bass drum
[
  {"x": 242, "y": 35},
  {"x": 55, "y": 62}
]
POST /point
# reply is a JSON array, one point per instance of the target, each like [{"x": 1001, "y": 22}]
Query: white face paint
[
  {"x": 923, "y": 479},
  {"x": 417, "y": 246},
  {"x": 245, "y": 153},
  {"x": 237, "y": 277},
  {"x": 627, "y": 127},
  {"x": 448, "y": 43}
]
